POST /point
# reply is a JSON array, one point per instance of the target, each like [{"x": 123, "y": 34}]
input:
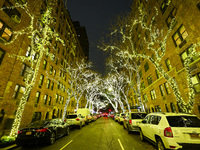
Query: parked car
[
  {"x": 75, "y": 120},
  {"x": 121, "y": 118},
  {"x": 171, "y": 130},
  {"x": 116, "y": 117},
  {"x": 42, "y": 131},
  {"x": 94, "y": 117},
  {"x": 132, "y": 121},
  {"x": 85, "y": 112}
]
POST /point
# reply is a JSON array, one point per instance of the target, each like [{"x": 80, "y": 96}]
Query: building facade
[
  {"x": 48, "y": 95},
  {"x": 157, "y": 93}
]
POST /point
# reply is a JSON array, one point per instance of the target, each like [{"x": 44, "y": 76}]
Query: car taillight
[
  {"x": 130, "y": 121},
  {"x": 168, "y": 132},
  {"x": 20, "y": 131},
  {"x": 41, "y": 130},
  {"x": 77, "y": 119}
]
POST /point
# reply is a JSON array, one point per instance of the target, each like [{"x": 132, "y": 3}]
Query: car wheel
[
  {"x": 52, "y": 138},
  {"x": 129, "y": 132},
  {"x": 160, "y": 145},
  {"x": 80, "y": 126},
  {"x": 124, "y": 126},
  {"x": 141, "y": 136},
  {"x": 67, "y": 132}
]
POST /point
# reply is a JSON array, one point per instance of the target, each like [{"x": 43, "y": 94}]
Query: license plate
[
  {"x": 28, "y": 133},
  {"x": 195, "y": 136}
]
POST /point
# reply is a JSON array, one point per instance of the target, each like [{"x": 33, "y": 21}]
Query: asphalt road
[{"x": 103, "y": 134}]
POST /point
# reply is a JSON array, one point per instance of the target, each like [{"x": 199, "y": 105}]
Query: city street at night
[{"x": 103, "y": 134}]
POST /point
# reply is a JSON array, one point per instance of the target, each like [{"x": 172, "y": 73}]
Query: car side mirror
[{"x": 144, "y": 121}]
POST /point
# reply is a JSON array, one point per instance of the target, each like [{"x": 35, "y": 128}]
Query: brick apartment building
[
  {"x": 157, "y": 93},
  {"x": 48, "y": 96}
]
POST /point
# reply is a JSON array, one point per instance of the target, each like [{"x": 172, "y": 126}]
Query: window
[
  {"x": 154, "y": 119},
  {"x": 45, "y": 99},
  {"x": 5, "y": 32},
  {"x": 164, "y": 5},
  {"x": 168, "y": 64},
  {"x": 162, "y": 90},
  {"x": 153, "y": 94},
  {"x": 157, "y": 74},
  {"x": 166, "y": 107},
  {"x": 167, "y": 88},
  {"x": 18, "y": 92},
  {"x": 149, "y": 80},
  {"x": 170, "y": 17},
  {"x": 36, "y": 116},
  {"x": 48, "y": 83},
  {"x": 25, "y": 70},
  {"x": 198, "y": 6},
  {"x": 51, "y": 70},
  {"x": 44, "y": 64},
  {"x": 56, "y": 98},
  {"x": 179, "y": 36},
  {"x": 158, "y": 109},
  {"x": 37, "y": 97},
  {"x": 185, "y": 54},
  {"x": 2, "y": 53},
  {"x": 12, "y": 13},
  {"x": 146, "y": 67},
  {"x": 196, "y": 82},
  {"x": 28, "y": 53},
  {"x": 41, "y": 80},
  {"x": 145, "y": 98},
  {"x": 54, "y": 72},
  {"x": 172, "y": 107},
  {"x": 52, "y": 85},
  {"x": 58, "y": 85},
  {"x": 49, "y": 101}
]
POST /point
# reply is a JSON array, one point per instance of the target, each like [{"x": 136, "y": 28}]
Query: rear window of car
[
  {"x": 138, "y": 116},
  {"x": 183, "y": 121},
  {"x": 39, "y": 123},
  {"x": 71, "y": 116}
]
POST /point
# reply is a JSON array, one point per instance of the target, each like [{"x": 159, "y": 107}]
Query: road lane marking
[
  {"x": 120, "y": 144},
  {"x": 66, "y": 145}
]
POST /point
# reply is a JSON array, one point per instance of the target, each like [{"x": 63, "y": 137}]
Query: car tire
[
  {"x": 129, "y": 132},
  {"x": 124, "y": 126},
  {"x": 142, "y": 136},
  {"x": 52, "y": 138},
  {"x": 80, "y": 126},
  {"x": 67, "y": 131},
  {"x": 160, "y": 145}
]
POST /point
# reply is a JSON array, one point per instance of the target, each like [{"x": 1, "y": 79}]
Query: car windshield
[
  {"x": 39, "y": 123},
  {"x": 183, "y": 121},
  {"x": 71, "y": 116},
  {"x": 138, "y": 115}
]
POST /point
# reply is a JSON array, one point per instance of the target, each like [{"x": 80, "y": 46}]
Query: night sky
[{"x": 96, "y": 16}]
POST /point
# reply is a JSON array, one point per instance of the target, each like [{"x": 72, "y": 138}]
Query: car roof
[{"x": 170, "y": 114}]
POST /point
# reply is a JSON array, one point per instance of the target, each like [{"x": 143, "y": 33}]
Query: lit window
[
  {"x": 44, "y": 64},
  {"x": 153, "y": 94},
  {"x": 180, "y": 35},
  {"x": 48, "y": 83},
  {"x": 5, "y": 32},
  {"x": 37, "y": 97},
  {"x": 170, "y": 17},
  {"x": 162, "y": 90},
  {"x": 45, "y": 99},
  {"x": 25, "y": 70},
  {"x": 19, "y": 91},
  {"x": 41, "y": 80},
  {"x": 145, "y": 98},
  {"x": 149, "y": 80},
  {"x": 49, "y": 101},
  {"x": 168, "y": 64},
  {"x": 196, "y": 83},
  {"x": 167, "y": 88}
]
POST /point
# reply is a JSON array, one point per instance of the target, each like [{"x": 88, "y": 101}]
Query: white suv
[
  {"x": 75, "y": 120},
  {"x": 171, "y": 130}
]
